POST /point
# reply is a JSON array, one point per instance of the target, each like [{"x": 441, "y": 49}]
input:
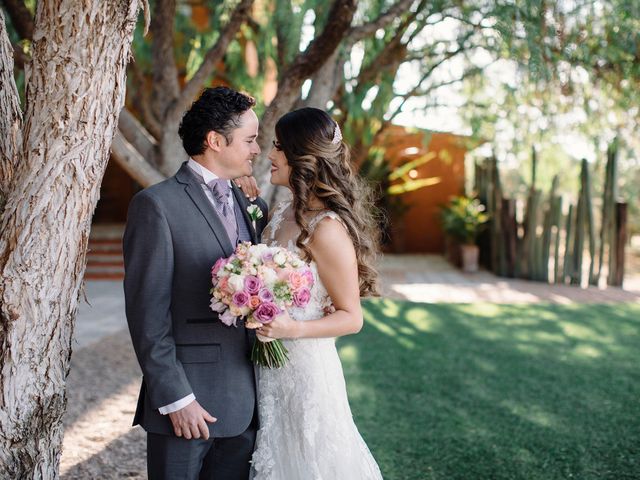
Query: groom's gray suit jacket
[{"x": 172, "y": 239}]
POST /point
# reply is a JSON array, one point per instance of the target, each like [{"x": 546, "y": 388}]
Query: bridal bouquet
[{"x": 258, "y": 282}]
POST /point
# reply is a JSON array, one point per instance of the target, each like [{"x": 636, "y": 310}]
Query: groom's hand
[{"x": 191, "y": 421}]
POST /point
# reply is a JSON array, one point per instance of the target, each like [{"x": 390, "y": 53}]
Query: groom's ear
[{"x": 215, "y": 141}]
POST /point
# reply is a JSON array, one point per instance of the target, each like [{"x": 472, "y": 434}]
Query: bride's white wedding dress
[{"x": 306, "y": 428}]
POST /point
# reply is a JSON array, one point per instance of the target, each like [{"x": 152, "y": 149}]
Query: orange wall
[{"x": 420, "y": 229}]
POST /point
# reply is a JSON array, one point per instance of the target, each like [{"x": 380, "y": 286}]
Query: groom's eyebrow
[{"x": 251, "y": 137}]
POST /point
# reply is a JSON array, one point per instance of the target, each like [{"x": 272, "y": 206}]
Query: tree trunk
[
  {"x": 11, "y": 117},
  {"x": 291, "y": 80},
  {"x": 75, "y": 91},
  {"x": 326, "y": 81}
]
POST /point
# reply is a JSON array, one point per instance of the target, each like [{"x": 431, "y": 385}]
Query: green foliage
[{"x": 464, "y": 218}]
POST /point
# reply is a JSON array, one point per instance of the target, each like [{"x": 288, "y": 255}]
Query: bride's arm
[{"x": 335, "y": 257}]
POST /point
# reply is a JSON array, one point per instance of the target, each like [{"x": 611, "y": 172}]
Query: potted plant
[{"x": 463, "y": 219}]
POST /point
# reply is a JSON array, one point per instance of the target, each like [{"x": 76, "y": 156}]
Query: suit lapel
[
  {"x": 195, "y": 192},
  {"x": 243, "y": 203}
]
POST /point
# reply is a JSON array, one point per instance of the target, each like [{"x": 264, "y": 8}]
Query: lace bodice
[{"x": 282, "y": 231}]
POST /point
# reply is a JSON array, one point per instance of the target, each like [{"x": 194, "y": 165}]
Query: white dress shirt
[{"x": 208, "y": 176}]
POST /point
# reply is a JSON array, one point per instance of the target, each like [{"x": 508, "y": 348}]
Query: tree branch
[
  {"x": 137, "y": 135},
  {"x": 303, "y": 66},
  {"x": 211, "y": 59},
  {"x": 10, "y": 115},
  {"x": 417, "y": 91},
  {"x": 142, "y": 103},
  {"x": 21, "y": 17},
  {"x": 360, "y": 32},
  {"x": 326, "y": 79},
  {"x": 165, "y": 88},
  {"x": 133, "y": 163}
]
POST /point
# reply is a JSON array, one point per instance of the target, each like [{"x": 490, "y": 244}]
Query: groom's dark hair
[{"x": 217, "y": 109}]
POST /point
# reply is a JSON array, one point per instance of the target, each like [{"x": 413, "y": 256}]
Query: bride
[{"x": 306, "y": 427}]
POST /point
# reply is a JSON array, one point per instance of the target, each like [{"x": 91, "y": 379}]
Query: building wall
[
  {"x": 419, "y": 231},
  {"x": 116, "y": 191}
]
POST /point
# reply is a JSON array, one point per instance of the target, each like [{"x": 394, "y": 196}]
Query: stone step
[
  {"x": 104, "y": 246},
  {"x": 104, "y": 276},
  {"x": 105, "y": 262},
  {"x": 104, "y": 255},
  {"x": 113, "y": 231}
]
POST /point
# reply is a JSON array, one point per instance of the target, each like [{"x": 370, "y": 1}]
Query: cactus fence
[{"x": 547, "y": 244}]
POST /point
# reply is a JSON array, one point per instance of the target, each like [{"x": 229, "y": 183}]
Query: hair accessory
[{"x": 337, "y": 135}]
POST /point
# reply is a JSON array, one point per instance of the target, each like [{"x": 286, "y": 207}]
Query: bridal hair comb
[{"x": 337, "y": 135}]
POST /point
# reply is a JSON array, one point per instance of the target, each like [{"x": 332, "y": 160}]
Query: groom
[{"x": 197, "y": 401}]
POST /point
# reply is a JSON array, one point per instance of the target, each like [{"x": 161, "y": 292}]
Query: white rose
[
  {"x": 269, "y": 277},
  {"x": 259, "y": 249},
  {"x": 236, "y": 283},
  {"x": 280, "y": 258}
]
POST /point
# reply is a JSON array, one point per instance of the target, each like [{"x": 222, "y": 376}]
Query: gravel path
[{"x": 102, "y": 388}]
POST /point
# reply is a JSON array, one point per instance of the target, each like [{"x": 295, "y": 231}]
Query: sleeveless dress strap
[{"x": 321, "y": 216}]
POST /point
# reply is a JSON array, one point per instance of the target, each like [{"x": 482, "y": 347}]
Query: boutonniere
[{"x": 255, "y": 214}]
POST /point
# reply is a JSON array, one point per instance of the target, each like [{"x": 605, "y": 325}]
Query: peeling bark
[
  {"x": 165, "y": 88},
  {"x": 70, "y": 119},
  {"x": 10, "y": 115}
]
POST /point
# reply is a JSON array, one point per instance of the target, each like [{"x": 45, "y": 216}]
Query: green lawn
[{"x": 487, "y": 391}]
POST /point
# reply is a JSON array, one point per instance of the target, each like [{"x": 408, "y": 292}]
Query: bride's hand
[
  {"x": 249, "y": 187},
  {"x": 283, "y": 326}
]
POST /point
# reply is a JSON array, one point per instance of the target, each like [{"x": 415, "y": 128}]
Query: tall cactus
[
  {"x": 549, "y": 215},
  {"x": 584, "y": 223},
  {"x": 568, "y": 256},
  {"x": 591, "y": 228},
  {"x": 611, "y": 225},
  {"x": 557, "y": 219},
  {"x": 528, "y": 251},
  {"x": 498, "y": 254}
]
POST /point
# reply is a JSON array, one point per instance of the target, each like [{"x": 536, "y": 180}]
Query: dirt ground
[{"x": 102, "y": 388}]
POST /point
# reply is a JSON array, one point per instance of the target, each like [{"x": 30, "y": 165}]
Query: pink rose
[
  {"x": 301, "y": 297},
  {"x": 219, "y": 265},
  {"x": 228, "y": 318},
  {"x": 254, "y": 302},
  {"x": 283, "y": 274},
  {"x": 295, "y": 280},
  {"x": 266, "y": 312},
  {"x": 308, "y": 277},
  {"x": 223, "y": 284},
  {"x": 240, "y": 299},
  {"x": 265, "y": 295},
  {"x": 252, "y": 284}
]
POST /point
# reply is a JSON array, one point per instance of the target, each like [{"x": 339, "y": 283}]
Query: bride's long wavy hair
[{"x": 321, "y": 166}]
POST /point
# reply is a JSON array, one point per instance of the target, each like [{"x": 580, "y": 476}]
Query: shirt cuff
[{"x": 175, "y": 406}]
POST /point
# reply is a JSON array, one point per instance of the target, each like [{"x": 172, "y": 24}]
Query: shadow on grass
[{"x": 485, "y": 391}]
